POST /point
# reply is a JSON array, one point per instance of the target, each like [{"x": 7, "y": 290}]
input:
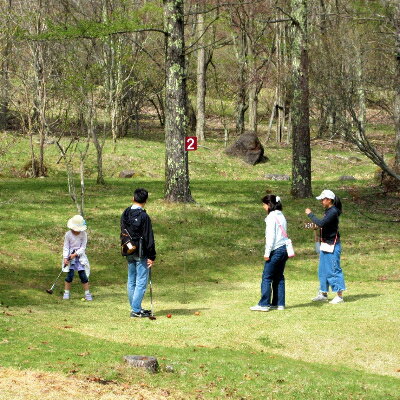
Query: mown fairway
[{"x": 209, "y": 261}]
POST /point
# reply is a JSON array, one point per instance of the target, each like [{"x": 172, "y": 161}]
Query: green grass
[{"x": 209, "y": 260}]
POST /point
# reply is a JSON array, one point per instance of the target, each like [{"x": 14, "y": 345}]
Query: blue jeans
[
  {"x": 329, "y": 271},
  {"x": 138, "y": 274},
  {"x": 273, "y": 280}
]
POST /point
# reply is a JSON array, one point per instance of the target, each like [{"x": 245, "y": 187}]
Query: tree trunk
[
  {"x": 253, "y": 85},
  {"x": 301, "y": 163},
  {"x": 241, "y": 103},
  {"x": 177, "y": 187},
  {"x": 397, "y": 90},
  {"x": 93, "y": 134},
  {"x": 40, "y": 97},
  {"x": 4, "y": 78},
  {"x": 253, "y": 108},
  {"x": 201, "y": 78}
]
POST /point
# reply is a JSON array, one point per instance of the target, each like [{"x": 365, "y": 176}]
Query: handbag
[
  {"x": 288, "y": 242},
  {"x": 326, "y": 247},
  {"x": 127, "y": 245}
]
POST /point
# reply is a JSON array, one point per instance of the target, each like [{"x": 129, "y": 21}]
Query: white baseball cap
[
  {"x": 77, "y": 223},
  {"x": 326, "y": 194}
]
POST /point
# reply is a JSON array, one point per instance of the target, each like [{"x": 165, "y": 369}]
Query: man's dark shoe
[
  {"x": 146, "y": 311},
  {"x": 139, "y": 314}
]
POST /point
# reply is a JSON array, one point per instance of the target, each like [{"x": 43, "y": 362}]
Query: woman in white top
[{"x": 275, "y": 256}]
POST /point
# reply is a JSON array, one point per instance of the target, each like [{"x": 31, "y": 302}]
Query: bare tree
[
  {"x": 201, "y": 75},
  {"x": 6, "y": 44}
]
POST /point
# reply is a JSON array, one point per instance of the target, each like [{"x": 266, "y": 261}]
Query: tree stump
[{"x": 147, "y": 362}]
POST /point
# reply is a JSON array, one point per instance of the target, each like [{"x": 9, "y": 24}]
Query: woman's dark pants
[{"x": 273, "y": 280}]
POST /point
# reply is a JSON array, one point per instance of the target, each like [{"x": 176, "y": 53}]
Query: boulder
[
  {"x": 347, "y": 178},
  {"x": 249, "y": 148},
  {"x": 148, "y": 362},
  {"x": 277, "y": 177},
  {"x": 129, "y": 173}
]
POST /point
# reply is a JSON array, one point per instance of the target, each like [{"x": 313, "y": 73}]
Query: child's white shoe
[
  {"x": 66, "y": 296},
  {"x": 88, "y": 297}
]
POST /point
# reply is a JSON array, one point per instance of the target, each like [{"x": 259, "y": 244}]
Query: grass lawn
[{"x": 207, "y": 274}]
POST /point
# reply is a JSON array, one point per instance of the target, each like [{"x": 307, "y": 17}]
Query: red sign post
[{"x": 190, "y": 143}]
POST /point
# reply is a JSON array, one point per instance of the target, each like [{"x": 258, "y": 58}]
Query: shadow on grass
[
  {"x": 356, "y": 297},
  {"x": 311, "y": 303},
  {"x": 179, "y": 311},
  {"x": 348, "y": 299},
  {"x": 215, "y": 241}
]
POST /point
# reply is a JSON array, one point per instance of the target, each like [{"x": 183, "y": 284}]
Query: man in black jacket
[{"x": 136, "y": 224}]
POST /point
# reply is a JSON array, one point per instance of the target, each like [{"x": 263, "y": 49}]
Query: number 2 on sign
[{"x": 190, "y": 143}]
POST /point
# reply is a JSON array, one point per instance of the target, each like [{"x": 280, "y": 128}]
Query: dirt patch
[{"x": 35, "y": 385}]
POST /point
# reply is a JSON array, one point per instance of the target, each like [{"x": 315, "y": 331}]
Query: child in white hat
[{"x": 74, "y": 255}]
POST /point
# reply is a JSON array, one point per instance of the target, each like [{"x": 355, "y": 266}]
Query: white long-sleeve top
[
  {"x": 77, "y": 243},
  {"x": 274, "y": 237}
]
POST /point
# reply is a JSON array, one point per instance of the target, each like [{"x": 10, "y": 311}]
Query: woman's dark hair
[
  {"x": 338, "y": 204},
  {"x": 140, "y": 196},
  {"x": 270, "y": 200}
]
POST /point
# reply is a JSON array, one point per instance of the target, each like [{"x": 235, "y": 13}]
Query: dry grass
[{"x": 34, "y": 385}]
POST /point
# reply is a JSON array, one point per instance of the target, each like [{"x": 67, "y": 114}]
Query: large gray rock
[
  {"x": 277, "y": 177},
  {"x": 148, "y": 362},
  {"x": 128, "y": 173},
  {"x": 249, "y": 148},
  {"x": 347, "y": 178}
]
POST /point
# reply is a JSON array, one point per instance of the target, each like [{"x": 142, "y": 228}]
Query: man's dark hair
[
  {"x": 140, "y": 195},
  {"x": 270, "y": 200}
]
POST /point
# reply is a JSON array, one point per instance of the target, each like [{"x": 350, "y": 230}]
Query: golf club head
[
  {"x": 152, "y": 317},
  {"x": 49, "y": 291}
]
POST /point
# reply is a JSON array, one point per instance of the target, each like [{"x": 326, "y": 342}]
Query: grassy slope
[{"x": 209, "y": 261}]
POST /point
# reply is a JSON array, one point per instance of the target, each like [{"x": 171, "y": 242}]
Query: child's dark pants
[{"x": 82, "y": 275}]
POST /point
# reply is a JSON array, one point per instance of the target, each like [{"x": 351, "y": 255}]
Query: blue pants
[
  {"x": 138, "y": 274},
  {"x": 329, "y": 272},
  {"x": 273, "y": 280}
]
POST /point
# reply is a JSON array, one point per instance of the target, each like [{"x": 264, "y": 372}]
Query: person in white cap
[
  {"x": 275, "y": 256},
  {"x": 74, "y": 256},
  {"x": 330, "y": 273}
]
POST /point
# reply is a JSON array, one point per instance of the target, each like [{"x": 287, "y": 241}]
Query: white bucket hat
[
  {"x": 77, "y": 223},
  {"x": 326, "y": 194}
]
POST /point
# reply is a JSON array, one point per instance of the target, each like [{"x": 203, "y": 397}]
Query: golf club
[
  {"x": 50, "y": 291},
  {"x": 151, "y": 297}
]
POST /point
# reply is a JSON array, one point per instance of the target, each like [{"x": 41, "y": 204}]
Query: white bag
[
  {"x": 288, "y": 243},
  {"x": 327, "y": 248},
  {"x": 289, "y": 248}
]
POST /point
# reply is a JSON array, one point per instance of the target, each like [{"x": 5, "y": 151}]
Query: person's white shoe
[
  {"x": 337, "y": 300},
  {"x": 320, "y": 297},
  {"x": 259, "y": 308}
]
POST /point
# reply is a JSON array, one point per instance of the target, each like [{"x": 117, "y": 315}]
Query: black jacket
[
  {"x": 329, "y": 224},
  {"x": 138, "y": 224}
]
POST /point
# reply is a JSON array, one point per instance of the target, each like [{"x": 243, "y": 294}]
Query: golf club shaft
[
  {"x": 151, "y": 292},
  {"x": 54, "y": 284}
]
